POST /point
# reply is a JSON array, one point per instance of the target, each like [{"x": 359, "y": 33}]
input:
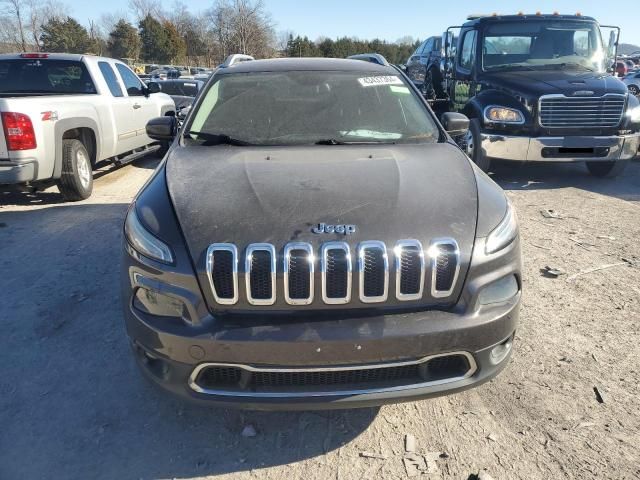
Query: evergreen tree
[
  {"x": 124, "y": 41},
  {"x": 65, "y": 35}
]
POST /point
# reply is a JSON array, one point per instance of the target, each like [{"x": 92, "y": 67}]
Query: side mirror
[
  {"x": 153, "y": 87},
  {"x": 403, "y": 68},
  {"x": 163, "y": 129},
  {"x": 456, "y": 124}
]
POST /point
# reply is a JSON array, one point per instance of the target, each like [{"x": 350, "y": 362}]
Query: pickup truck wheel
[
  {"x": 472, "y": 146},
  {"x": 607, "y": 169},
  {"x": 76, "y": 179}
]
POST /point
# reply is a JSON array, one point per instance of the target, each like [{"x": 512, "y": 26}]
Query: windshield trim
[{"x": 440, "y": 135}]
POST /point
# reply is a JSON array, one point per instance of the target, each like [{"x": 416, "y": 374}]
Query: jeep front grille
[
  {"x": 558, "y": 111},
  {"x": 336, "y": 262}
]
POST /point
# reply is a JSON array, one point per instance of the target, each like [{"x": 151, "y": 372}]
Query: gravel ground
[{"x": 73, "y": 406}]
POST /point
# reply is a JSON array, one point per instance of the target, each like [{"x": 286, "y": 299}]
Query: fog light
[
  {"x": 156, "y": 303},
  {"x": 500, "y": 352},
  {"x": 499, "y": 291}
]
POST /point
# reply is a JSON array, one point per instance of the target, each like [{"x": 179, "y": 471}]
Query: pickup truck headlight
[
  {"x": 497, "y": 114},
  {"x": 504, "y": 233},
  {"x": 143, "y": 241}
]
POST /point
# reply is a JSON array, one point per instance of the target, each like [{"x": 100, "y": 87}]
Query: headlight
[
  {"x": 496, "y": 114},
  {"x": 634, "y": 114},
  {"x": 504, "y": 233},
  {"x": 143, "y": 241}
]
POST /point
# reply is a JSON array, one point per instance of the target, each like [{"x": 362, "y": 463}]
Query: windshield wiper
[
  {"x": 575, "y": 64},
  {"x": 333, "y": 141},
  {"x": 218, "y": 139},
  {"x": 508, "y": 65}
]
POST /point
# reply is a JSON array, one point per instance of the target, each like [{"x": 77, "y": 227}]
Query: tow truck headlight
[
  {"x": 143, "y": 241},
  {"x": 497, "y": 114},
  {"x": 504, "y": 233},
  {"x": 634, "y": 114}
]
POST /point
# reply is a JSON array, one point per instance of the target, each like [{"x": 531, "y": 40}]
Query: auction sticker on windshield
[{"x": 380, "y": 80}]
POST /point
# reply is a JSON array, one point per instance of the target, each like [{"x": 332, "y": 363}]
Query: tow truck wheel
[
  {"x": 76, "y": 179},
  {"x": 473, "y": 146},
  {"x": 607, "y": 169}
]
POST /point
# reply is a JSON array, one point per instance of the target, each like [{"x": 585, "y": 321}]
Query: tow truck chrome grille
[
  {"x": 558, "y": 111},
  {"x": 414, "y": 277}
]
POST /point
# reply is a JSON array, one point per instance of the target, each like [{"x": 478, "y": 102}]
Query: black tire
[
  {"x": 472, "y": 146},
  {"x": 634, "y": 90},
  {"x": 607, "y": 169},
  {"x": 76, "y": 179}
]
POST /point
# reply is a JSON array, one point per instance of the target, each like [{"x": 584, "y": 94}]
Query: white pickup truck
[{"x": 61, "y": 114}]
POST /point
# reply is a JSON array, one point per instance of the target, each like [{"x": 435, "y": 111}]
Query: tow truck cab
[{"x": 539, "y": 88}]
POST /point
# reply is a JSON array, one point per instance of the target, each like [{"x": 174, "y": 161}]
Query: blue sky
[{"x": 391, "y": 19}]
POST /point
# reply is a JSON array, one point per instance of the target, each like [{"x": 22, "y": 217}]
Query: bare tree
[
  {"x": 143, "y": 8},
  {"x": 15, "y": 10},
  {"x": 40, "y": 13}
]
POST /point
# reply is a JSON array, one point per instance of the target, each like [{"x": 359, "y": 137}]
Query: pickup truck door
[
  {"x": 463, "y": 83},
  {"x": 140, "y": 107}
]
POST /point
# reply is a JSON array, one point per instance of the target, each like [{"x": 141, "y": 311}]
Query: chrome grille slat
[
  {"x": 443, "y": 252},
  {"x": 372, "y": 253},
  {"x": 336, "y": 273},
  {"x": 260, "y": 275},
  {"x": 223, "y": 278},
  {"x": 598, "y": 112},
  {"x": 299, "y": 264},
  {"x": 410, "y": 266}
]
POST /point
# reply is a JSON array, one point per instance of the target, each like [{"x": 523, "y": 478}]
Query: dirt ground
[{"x": 73, "y": 406}]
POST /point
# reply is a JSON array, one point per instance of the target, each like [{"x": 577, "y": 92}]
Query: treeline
[
  {"x": 343, "y": 47},
  {"x": 152, "y": 34}
]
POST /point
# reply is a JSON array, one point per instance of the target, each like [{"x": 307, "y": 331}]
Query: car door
[
  {"x": 142, "y": 110},
  {"x": 463, "y": 85}
]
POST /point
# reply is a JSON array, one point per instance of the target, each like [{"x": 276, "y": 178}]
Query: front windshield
[
  {"x": 312, "y": 107},
  {"x": 543, "y": 44}
]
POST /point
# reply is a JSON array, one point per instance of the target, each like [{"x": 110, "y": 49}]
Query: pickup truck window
[
  {"x": 45, "y": 77},
  {"x": 131, "y": 81},
  {"x": 111, "y": 79},
  {"x": 468, "y": 52},
  {"x": 313, "y": 107},
  {"x": 544, "y": 44}
]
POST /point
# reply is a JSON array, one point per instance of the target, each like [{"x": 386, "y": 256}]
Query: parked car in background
[
  {"x": 370, "y": 57},
  {"x": 536, "y": 90},
  {"x": 423, "y": 68},
  {"x": 632, "y": 81},
  {"x": 316, "y": 240},
  {"x": 621, "y": 68},
  {"x": 62, "y": 114},
  {"x": 181, "y": 91}
]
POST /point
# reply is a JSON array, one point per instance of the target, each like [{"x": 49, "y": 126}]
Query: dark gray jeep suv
[{"x": 315, "y": 239}]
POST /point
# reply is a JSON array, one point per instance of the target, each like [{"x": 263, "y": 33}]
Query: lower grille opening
[
  {"x": 575, "y": 152},
  {"x": 238, "y": 379}
]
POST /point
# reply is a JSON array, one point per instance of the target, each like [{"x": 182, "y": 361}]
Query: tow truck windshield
[{"x": 543, "y": 44}]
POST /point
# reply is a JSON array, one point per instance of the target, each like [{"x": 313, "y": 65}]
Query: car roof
[
  {"x": 310, "y": 64},
  {"x": 55, "y": 56}
]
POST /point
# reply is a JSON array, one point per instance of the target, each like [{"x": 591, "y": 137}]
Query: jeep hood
[{"x": 245, "y": 195}]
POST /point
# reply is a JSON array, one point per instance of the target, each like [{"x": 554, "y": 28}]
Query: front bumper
[
  {"x": 560, "y": 149},
  {"x": 12, "y": 172},
  {"x": 169, "y": 354}
]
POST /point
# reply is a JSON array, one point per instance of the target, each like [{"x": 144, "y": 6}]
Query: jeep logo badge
[{"x": 343, "y": 229}]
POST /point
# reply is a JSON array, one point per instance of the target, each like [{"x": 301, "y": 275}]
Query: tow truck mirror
[
  {"x": 163, "y": 129},
  {"x": 456, "y": 124}
]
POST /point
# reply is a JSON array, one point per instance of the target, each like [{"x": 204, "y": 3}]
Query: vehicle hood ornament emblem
[
  {"x": 583, "y": 93},
  {"x": 326, "y": 228}
]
